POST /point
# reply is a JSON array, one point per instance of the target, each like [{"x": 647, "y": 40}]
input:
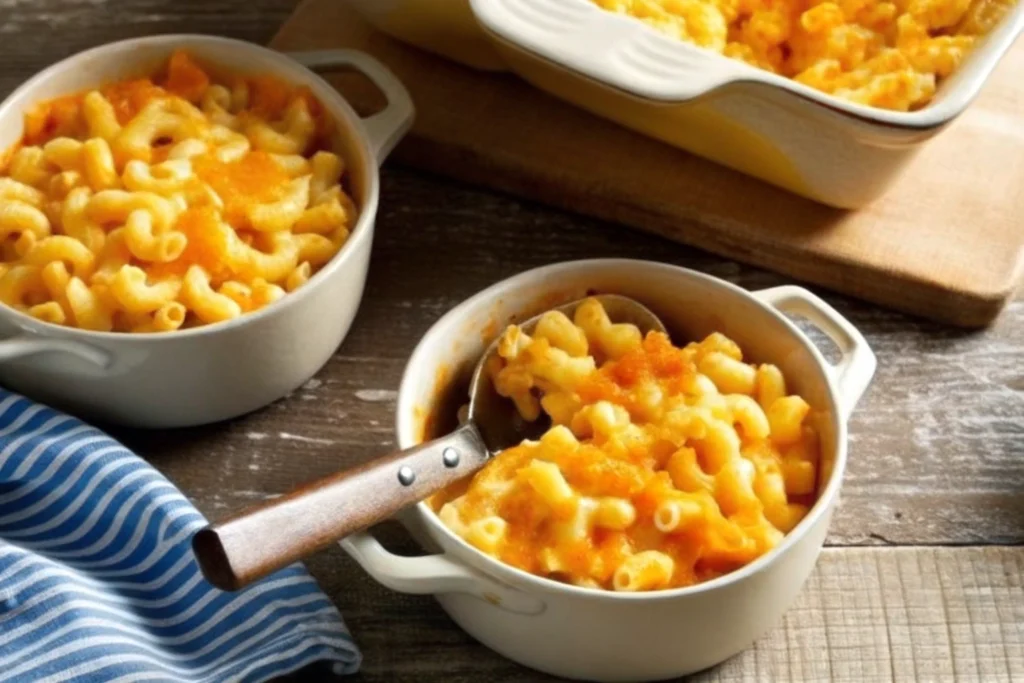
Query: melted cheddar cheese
[{"x": 665, "y": 466}]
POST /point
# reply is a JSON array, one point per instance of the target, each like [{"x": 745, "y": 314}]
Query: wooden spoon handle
[{"x": 266, "y": 538}]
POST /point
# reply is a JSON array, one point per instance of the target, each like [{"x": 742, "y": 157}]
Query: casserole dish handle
[
  {"x": 25, "y": 345},
  {"x": 429, "y": 574},
  {"x": 607, "y": 47},
  {"x": 386, "y": 127},
  {"x": 856, "y": 366}
]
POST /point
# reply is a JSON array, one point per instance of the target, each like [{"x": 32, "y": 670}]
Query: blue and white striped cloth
[{"x": 98, "y": 581}]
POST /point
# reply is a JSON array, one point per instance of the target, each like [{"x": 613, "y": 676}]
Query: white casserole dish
[
  {"x": 446, "y": 27},
  {"x": 768, "y": 126},
  {"x": 214, "y": 372},
  {"x": 603, "y": 636}
]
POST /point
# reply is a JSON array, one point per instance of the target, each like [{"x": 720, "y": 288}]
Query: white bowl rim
[
  {"x": 932, "y": 116},
  {"x": 823, "y": 504},
  {"x": 359, "y": 234}
]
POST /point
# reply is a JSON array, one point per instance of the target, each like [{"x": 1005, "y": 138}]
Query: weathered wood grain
[
  {"x": 866, "y": 614},
  {"x": 35, "y": 33},
  {"x": 937, "y": 447}
]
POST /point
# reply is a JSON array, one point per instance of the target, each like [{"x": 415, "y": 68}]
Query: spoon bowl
[
  {"x": 496, "y": 417},
  {"x": 268, "y": 537}
]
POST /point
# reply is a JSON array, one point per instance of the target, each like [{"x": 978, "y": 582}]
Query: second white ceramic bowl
[
  {"x": 606, "y": 636},
  {"x": 215, "y": 372}
]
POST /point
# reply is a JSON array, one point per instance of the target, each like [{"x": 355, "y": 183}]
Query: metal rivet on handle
[
  {"x": 406, "y": 476},
  {"x": 450, "y": 457}
]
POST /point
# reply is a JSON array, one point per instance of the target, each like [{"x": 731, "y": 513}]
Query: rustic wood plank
[
  {"x": 866, "y": 614},
  {"x": 897, "y": 614},
  {"x": 36, "y": 33}
]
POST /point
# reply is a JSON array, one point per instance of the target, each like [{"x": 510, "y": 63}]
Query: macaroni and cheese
[
  {"x": 663, "y": 467},
  {"x": 887, "y": 54},
  {"x": 151, "y": 205}
]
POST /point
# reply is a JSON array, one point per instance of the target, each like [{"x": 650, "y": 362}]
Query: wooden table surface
[{"x": 922, "y": 577}]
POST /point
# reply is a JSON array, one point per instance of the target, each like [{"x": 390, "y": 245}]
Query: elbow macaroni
[
  {"x": 153, "y": 205},
  {"x": 879, "y": 53},
  {"x": 664, "y": 467}
]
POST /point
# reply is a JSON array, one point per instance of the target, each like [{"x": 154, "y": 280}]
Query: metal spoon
[{"x": 265, "y": 538}]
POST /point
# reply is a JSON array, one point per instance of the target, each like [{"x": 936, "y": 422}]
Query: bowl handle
[
  {"x": 386, "y": 127},
  {"x": 27, "y": 345},
  {"x": 431, "y": 574},
  {"x": 856, "y": 366}
]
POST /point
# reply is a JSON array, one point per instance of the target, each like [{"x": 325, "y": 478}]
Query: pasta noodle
[
  {"x": 880, "y": 53},
  {"x": 169, "y": 202},
  {"x": 664, "y": 467}
]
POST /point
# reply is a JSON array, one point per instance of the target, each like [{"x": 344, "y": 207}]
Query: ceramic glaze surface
[
  {"x": 212, "y": 373},
  {"x": 615, "y": 636}
]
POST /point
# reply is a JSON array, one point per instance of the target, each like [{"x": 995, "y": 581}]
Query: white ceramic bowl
[
  {"x": 213, "y": 372},
  {"x": 605, "y": 636},
  {"x": 791, "y": 135}
]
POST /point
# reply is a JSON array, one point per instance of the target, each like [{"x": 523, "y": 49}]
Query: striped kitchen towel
[{"x": 98, "y": 581}]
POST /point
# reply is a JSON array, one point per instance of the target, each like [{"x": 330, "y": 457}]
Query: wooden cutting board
[{"x": 946, "y": 243}]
